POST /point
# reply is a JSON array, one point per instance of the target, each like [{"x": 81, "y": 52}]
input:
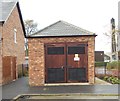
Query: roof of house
[
  {"x": 61, "y": 28},
  {"x": 6, "y": 8}
]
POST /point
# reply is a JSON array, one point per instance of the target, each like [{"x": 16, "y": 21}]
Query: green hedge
[
  {"x": 114, "y": 65},
  {"x": 100, "y": 64}
]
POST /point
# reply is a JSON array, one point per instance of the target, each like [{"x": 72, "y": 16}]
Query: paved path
[
  {"x": 21, "y": 86},
  {"x": 72, "y": 96}
]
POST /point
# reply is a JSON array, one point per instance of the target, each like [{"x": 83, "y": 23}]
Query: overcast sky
[{"x": 92, "y": 15}]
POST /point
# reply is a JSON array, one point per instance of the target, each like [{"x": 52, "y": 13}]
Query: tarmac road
[{"x": 21, "y": 86}]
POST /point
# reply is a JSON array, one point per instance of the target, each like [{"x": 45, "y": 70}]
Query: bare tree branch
[{"x": 30, "y": 28}]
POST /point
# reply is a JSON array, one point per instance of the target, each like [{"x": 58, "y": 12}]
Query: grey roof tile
[
  {"x": 61, "y": 28},
  {"x": 5, "y": 8}
]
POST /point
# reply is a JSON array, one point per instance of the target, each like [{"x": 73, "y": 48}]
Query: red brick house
[
  {"x": 11, "y": 41},
  {"x": 61, "y": 53}
]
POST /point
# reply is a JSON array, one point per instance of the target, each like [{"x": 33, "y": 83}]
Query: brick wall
[
  {"x": 37, "y": 58},
  {"x": 0, "y": 55},
  {"x": 10, "y": 48}
]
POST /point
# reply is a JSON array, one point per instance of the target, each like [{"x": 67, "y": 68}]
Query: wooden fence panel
[
  {"x": 6, "y": 67},
  {"x": 102, "y": 71},
  {"x": 14, "y": 68},
  {"x": 9, "y": 68}
]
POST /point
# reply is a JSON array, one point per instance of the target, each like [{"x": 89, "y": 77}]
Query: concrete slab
[
  {"x": 66, "y": 96},
  {"x": 97, "y": 82},
  {"x": 65, "y": 84},
  {"x": 73, "y": 97}
]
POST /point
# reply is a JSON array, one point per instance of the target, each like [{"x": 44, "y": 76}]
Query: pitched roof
[
  {"x": 6, "y": 7},
  {"x": 61, "y": 28}
]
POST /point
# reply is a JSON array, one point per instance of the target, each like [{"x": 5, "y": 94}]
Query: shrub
[
  {"x": 105, "y": 78},
  {"x": 111, "y": 79},
  {"x": 119, "y": 65},
  {"x": 100, "y": 64},
  {"x": 113, "y": 65}
]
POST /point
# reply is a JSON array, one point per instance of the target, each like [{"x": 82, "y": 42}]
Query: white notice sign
[{"x": 76, "y": 58}]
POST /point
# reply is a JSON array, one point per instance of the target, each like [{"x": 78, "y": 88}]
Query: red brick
[
  {"x": 9, "y": 48},
  {"x": 37, "y": 57}
]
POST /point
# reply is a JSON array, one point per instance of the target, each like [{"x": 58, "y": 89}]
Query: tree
[{"x": 30, "y": 28}]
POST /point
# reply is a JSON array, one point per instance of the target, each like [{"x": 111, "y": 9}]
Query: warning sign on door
[{"x": 76, "y": 58}]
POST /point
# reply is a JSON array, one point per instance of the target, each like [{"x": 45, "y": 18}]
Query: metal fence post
[
  {"x": 105, "y": 68},
  {"x": 22, "y": 71}
]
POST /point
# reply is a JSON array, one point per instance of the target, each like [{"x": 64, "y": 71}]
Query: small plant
[
  {"x": 105, "y": 78},
  {"x": 111, "y": 79}
]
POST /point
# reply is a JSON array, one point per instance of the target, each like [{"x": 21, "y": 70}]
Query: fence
[
  {"x": 103, "y": 71},
  {"x": 9, "y": 68},
  {"x": 23, "y": 70}
]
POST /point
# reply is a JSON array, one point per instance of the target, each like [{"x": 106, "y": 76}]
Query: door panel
[
  {"x": 55, "y": 62},
  {"x": 77, "y": 62},
  {"x": 77, "y": 74},
  {"x": 55, "y": 75}
]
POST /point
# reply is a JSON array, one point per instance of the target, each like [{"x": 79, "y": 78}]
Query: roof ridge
[
  {"x": 64, "y": 23},
  {"x": 60, "y": 28}
]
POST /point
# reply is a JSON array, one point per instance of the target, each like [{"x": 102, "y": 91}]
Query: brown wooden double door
[{"x": 66, "y": 62}]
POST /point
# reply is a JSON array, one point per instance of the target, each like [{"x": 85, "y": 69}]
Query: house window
[{"x": 15, "y": 35}]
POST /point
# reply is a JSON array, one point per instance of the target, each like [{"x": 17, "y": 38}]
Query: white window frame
[{"x": 15, "y": 35}]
